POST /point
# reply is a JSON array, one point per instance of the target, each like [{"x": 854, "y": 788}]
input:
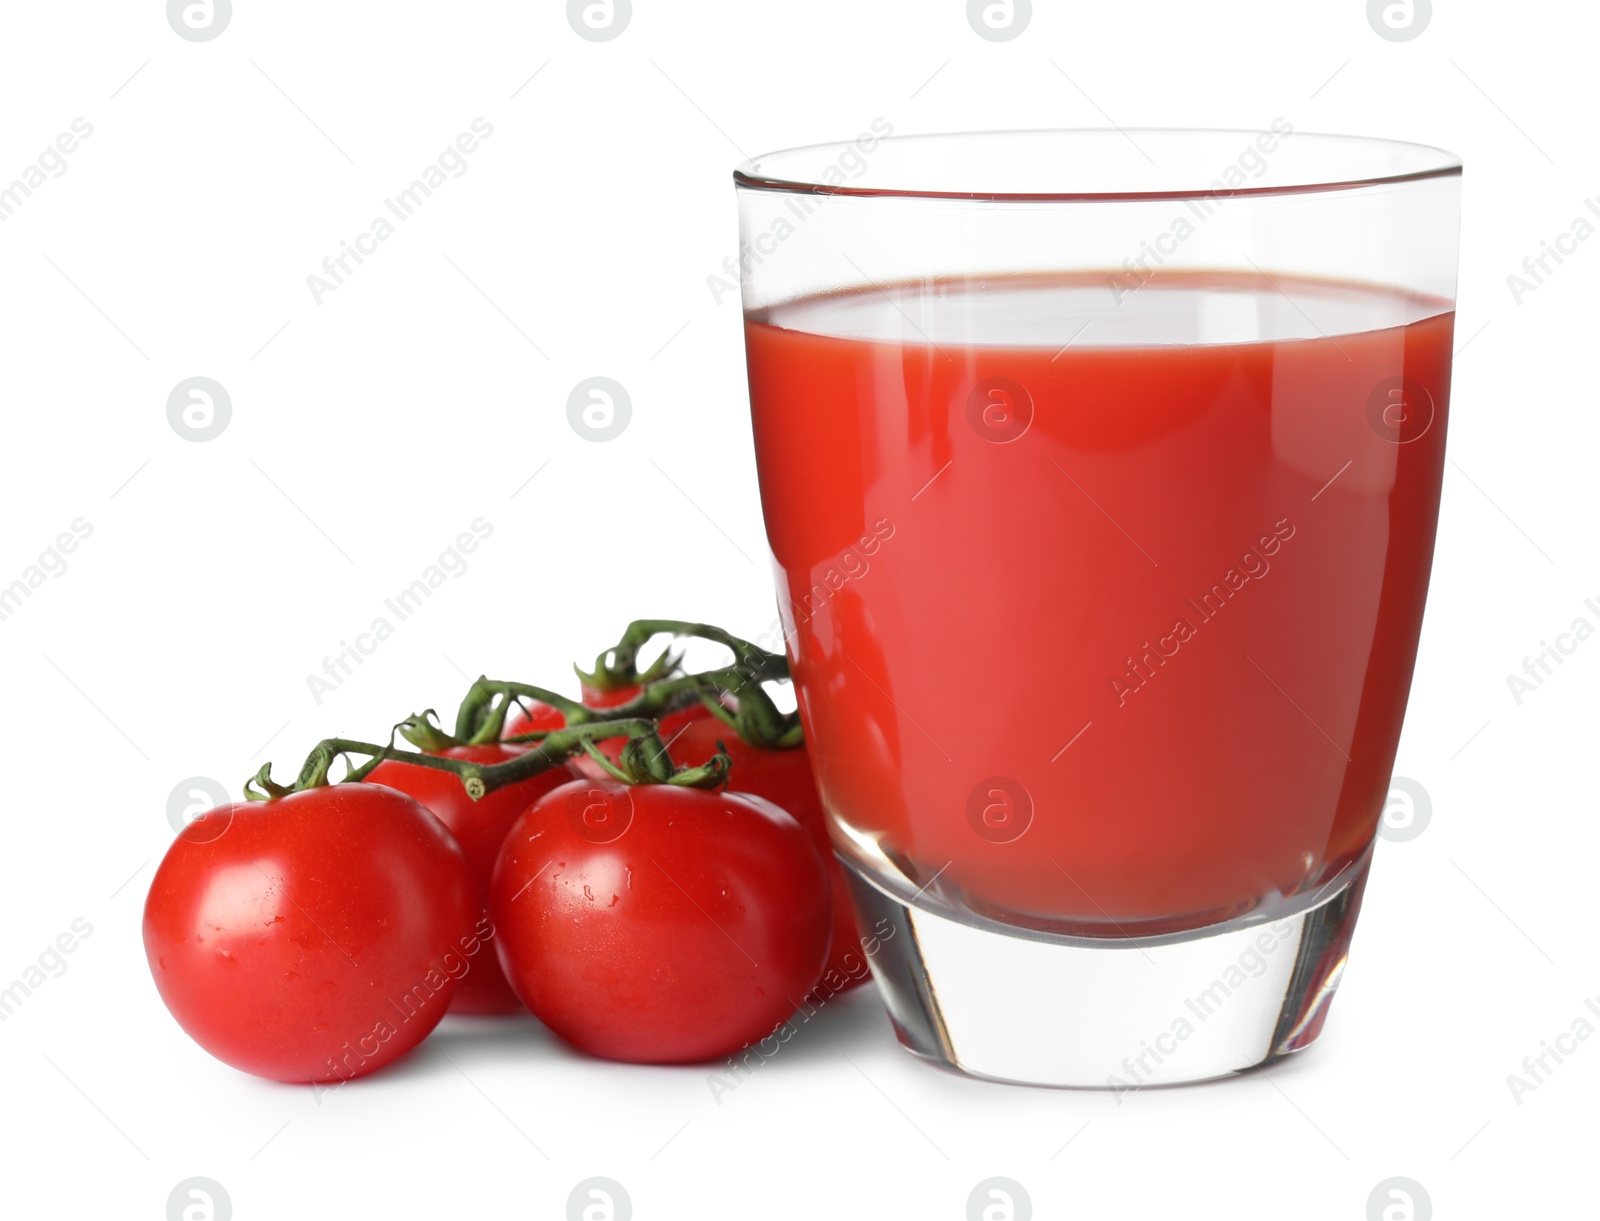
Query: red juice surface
[{"x": 1102, "y": 599}]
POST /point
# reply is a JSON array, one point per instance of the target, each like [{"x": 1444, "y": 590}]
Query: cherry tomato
[
  {"x": 315, "y": 937},
  {"x": 530, "y": 716},
  {"x": 659, "y": 924},
  {"x": 597, "y": 697},
  {"x": 784, "y": 778},
  {"x": 480, "y": 828}
]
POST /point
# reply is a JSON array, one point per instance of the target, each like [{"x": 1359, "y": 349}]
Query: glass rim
[{"x": 1416, "y": 162}]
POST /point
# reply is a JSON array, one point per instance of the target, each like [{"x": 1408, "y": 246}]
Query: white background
[{"x": 370, "y": 429}]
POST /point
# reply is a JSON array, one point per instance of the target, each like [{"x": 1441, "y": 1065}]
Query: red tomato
[
  {"x": 316, "y": 937},
  {"x": 532, "y": 715},
  {"x": 597, "y": 697},
  {"x": 480, "y": 828},
  {"x": 659, "y": 924},
  {"x": 784, "y": 778}
]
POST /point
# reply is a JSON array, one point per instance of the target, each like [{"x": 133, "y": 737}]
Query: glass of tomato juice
[{"x": 1100, "y": 471}]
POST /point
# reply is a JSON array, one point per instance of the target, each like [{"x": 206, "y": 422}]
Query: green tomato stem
[
  {"x": 488, "y": 702},
  {"x": 616, "y": 667},
  {"x": 422, "y": 732},
  {"x": 479, "y": 779},
  {"x": 644, "y": 760}
]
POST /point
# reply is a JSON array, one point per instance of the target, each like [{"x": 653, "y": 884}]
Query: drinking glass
[{"x": 1100, "y": 471}]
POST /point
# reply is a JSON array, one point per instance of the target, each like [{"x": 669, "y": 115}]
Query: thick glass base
[{"x": 1012, "y": 1004}]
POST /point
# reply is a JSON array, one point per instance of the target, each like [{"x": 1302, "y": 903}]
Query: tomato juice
[{"x": 1148, "y": 564}]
